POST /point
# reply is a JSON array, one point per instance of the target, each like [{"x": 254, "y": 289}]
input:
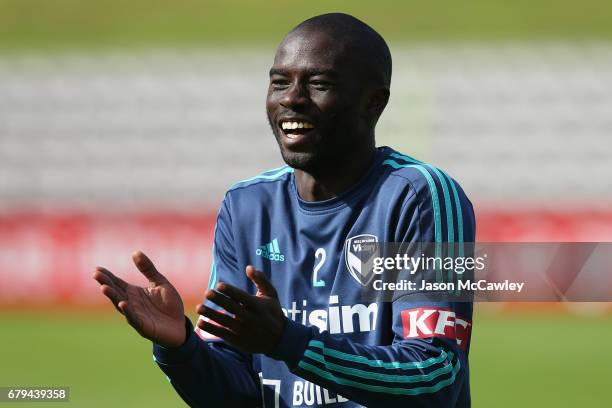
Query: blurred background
[{"x": 122, "y": 123}]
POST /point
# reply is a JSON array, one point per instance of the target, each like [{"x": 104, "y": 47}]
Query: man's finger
[
  {"x": 220, "y": 318},
  {"x": 109, "y": 278},
  {"x": 235, "y": 293},
  {"x": 122, "y": 306},
  {"x": 146, "y": 267},
  {"x": 218, "y": 331},
  {"x": 102, "y": 278},
  {"x": 117, "y": 280},
  {"x": 225, "y": 302},
  {"x": 264, "y": 286},
  {"x": 112, "y": 294}
]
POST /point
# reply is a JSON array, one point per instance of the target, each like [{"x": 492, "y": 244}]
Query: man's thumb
[
  {"x": 264, "y": 286},
  {"x": 146, "y": 267}
]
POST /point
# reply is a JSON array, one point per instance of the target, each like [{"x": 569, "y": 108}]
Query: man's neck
[{"x": 334, "y": 181}]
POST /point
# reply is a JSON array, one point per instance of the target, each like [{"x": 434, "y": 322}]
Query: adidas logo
[{"x": 271, "y": 251}]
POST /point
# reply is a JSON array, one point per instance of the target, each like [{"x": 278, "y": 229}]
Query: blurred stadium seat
[{"x": 510, "y": 123}]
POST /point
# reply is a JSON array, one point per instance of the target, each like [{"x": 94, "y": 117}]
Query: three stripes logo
[{"x": 271, "y": 251}]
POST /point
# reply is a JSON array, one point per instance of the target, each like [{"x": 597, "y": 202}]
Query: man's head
[{"x": 331, "y": 77}]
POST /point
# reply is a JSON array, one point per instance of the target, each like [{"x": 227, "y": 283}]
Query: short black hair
[{"x": 361, "y": 40}]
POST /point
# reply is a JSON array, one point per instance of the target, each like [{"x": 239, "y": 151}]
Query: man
[{"x": 293, "y": 329}]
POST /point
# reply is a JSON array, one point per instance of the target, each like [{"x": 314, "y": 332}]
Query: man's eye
[
  {"x": 321, "y": 85},
  {"x": 279, "y": 83}
]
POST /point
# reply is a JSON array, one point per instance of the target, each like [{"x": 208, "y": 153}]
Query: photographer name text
[{"x": 481, "y": 285}]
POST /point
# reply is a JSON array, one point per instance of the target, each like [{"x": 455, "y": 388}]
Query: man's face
[{"x": 315, "y": 102}]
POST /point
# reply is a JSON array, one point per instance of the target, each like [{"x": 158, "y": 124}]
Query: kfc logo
[{"x": 422, "y": 323}]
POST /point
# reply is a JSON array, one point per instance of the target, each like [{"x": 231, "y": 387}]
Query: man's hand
[
  {"x": 258, "y": 321},
  {"x": 156, "y": 311}
]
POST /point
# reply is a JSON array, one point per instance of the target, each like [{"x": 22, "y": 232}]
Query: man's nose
[{"x": 295, "y": 96}]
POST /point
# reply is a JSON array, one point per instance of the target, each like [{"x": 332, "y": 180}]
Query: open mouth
[{"x": 295, "y": 129}]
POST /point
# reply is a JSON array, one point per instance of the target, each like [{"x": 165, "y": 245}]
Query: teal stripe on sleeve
[
  {"x": 459, "y": 212},
  {"x": 447, "y": 203},
  {"x": 449, "y": 217},
  {"x": 379, "y": 388},
  {"x": 435, "y": 203},
  {"x": 392, "y": 365},
  {"x": 379, "y": 376},
  {"x": 433, "y": 190}
]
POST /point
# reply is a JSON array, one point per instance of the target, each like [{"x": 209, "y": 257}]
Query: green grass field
[
  {"x": 517, "y": 360},
  {"x": 59, "y": 24}
]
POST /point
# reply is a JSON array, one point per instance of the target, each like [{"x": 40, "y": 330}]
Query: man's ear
[{"x": 377, "y": 101}]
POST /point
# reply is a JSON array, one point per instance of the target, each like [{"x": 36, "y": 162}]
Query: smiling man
[{"x": 285, "y": 322}]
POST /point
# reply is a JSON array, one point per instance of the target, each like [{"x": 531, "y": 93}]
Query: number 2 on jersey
[{"x": 320, "y": 253}]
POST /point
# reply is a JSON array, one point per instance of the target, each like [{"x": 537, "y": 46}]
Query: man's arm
[
  {"x": 203, "y": 374},
  {"x": 406, "y": 373},
  {"x": 208, "y": 372}
]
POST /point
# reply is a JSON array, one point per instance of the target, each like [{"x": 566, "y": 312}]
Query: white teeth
[
  {"x": 291, "y": 135},
  {"x": 296, "y": 125}
]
